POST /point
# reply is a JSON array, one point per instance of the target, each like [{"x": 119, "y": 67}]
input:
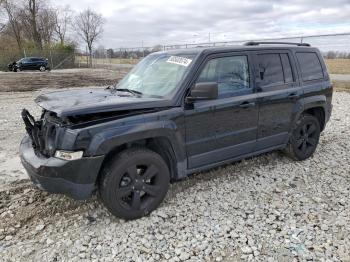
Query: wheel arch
[
  {"x": 315, "y": 106},
  {"x": 319, "y": 113},
  {"x": 167, "y": 142}
]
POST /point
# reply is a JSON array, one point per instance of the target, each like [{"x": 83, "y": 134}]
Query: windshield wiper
[{"x": 134, "y": 92}]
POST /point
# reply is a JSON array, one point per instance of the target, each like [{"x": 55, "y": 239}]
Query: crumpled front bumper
[{"x": 75, "y": 178}]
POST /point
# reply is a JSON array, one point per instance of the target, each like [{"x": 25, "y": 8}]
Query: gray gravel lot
[{"x": 267, "y": 208}]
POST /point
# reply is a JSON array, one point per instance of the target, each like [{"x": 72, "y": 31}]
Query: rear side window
[
  {"x": 310, "y": 66},
  {"x": 270, "y": 68}
]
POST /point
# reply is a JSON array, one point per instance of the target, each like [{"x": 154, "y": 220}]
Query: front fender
[{"x": 108, "y": 139}]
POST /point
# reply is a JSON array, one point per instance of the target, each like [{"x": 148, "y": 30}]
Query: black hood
[{"x": 95, "y": 100}]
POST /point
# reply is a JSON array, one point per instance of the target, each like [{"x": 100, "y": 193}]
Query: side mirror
[{"x": 204, "y": 91}]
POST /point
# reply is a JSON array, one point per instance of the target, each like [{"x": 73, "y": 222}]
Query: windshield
[{"x": 157, "y": 74}]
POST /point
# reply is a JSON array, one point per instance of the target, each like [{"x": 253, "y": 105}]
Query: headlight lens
[{"x": 68, "y": 155}]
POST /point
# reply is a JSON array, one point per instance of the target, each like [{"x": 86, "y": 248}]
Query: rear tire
[
  {"x": 134, "y": 183},
  {"x": 304, "y": 138}
]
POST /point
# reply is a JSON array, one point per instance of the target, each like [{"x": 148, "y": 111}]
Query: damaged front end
[
  {"x": 50, "y": 132},
  {"x": 42, "y": 132},
  {"x": 61, "y": 151},
  {"x": 50, "y": 168}
]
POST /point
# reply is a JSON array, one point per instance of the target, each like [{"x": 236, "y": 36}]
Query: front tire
[
  {"x": 134, "y": 183},
  {"x": 42, "y": 68},
  {"x": 304, "y": 138}
]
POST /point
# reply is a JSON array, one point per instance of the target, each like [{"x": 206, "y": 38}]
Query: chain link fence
[
  {"x": 56, "y": 58},
  {"x": 326, "y": 43},
  {"x": 331, "y": 45}
]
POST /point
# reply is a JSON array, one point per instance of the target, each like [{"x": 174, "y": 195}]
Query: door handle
[
  {"x": 247, "y": 104},
  {"x": 293, "y": 95}
]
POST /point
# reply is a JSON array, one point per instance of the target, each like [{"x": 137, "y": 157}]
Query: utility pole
[{"x": 209, "y": 37}]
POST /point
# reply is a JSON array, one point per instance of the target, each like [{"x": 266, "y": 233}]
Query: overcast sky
[{"x": 130, "y": 22}]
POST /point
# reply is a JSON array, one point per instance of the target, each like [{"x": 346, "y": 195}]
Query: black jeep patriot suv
[{"x": 176, "y": 113}]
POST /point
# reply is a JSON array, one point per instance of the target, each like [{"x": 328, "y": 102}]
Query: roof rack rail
[{"x": 252, "y": 43}]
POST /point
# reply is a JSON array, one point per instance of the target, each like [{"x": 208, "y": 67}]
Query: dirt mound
[{"x": 29, "y": 81}]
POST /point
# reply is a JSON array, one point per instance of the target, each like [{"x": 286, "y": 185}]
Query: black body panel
[{"x": 95, "y": 100}]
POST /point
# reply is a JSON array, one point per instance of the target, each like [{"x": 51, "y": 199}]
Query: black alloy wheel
[
  {"x": 305, "y": 137},
  {"x": 135, "y": 183}
]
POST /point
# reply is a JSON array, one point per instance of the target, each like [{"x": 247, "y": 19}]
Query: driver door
[
  {"x": 225, "y": 128},
  {"x": 25, "y": 64}
]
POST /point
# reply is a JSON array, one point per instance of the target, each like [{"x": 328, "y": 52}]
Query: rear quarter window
[{"x": 310, "y": 66}]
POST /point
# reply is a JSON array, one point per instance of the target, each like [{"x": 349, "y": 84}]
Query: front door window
[{"x": 231, "y": 73}]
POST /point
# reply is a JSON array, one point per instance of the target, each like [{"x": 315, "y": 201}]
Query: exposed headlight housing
[{"x": 68, "y": 155}]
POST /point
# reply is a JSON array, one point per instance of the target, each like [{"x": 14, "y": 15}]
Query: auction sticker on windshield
[{"x": 179, "y": 60}]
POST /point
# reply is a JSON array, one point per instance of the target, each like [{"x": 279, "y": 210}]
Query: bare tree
[
  {"x": 89, "y": 26},
  {"x": 63, "y": 19},
  {"x": 12, "y": 11},
  {"x": 2, "y": 27},
  {"x": 2, "y": 20},
  {"x": 30, "y": 20},
  {"x": 157, "y": 48},
  {"x": 47, "y": 22}
]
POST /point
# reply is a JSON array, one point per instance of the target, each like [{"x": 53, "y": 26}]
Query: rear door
[
  {"x": 278, "y": 91},
  {"x": 31, "y": 64},
  {"x": 36, "y": 62}
]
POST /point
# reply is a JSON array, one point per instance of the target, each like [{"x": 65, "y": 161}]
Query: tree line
[
  {"x": 38, "y": 24},
  {"x": 336, "y": 54}
]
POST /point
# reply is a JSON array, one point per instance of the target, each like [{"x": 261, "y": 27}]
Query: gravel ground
[{"x": 267, "y": 208}]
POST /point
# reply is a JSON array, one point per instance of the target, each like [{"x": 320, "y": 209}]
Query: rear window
[{"x": 310, "y": 66}]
